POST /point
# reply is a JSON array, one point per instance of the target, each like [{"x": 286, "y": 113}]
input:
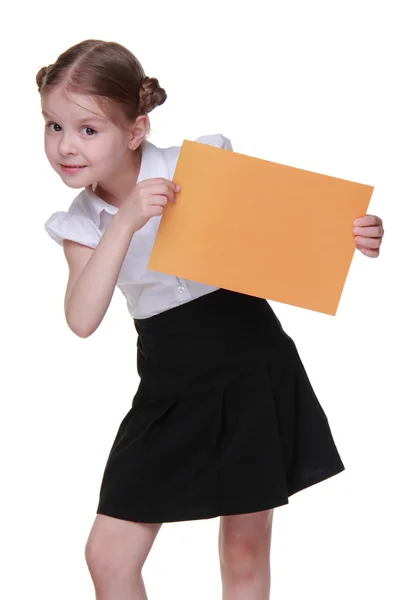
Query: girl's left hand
[{"x": 368, "y": 232}]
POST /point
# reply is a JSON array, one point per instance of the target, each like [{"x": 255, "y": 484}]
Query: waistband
[{"x": 219, "y": 326}]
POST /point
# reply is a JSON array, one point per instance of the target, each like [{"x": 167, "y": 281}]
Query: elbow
[
  {"x": 82, "y": 333},
  {"x": 82, "y": 330}
]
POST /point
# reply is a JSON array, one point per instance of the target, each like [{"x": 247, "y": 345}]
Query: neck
[{"x": 116, "y": 188}]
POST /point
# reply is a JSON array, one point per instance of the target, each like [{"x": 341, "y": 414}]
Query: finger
[
  {"x": 368, "y": 252},
  {"x": 157, "y": 211},
  {"x": 367, "y": 220},
  {"x": 166, "y": 188},
  {"x": 168, "y": 193},
  {"x": 159, "y": 200},
  {"x": 374, "y": 232},
  {"x": 161, "y": 182},
  {"x": 172, "y": 190},
  {"x": 155, "y": 180},
  {"x": 369, "y": 243}
]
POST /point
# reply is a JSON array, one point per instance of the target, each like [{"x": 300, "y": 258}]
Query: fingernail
[{"x": 177, "y": 188}]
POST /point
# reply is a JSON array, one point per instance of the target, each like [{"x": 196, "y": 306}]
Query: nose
[{"x": 66, "y": 146}]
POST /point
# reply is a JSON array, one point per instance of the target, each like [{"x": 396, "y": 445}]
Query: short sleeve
[
  {"x": 218, "y": 140},
  {"x": 78, "y": 228}
]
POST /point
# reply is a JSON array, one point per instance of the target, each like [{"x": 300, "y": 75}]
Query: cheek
[
  {"x": 49, "y": 148},
  {"x": 111, "y": 153}
]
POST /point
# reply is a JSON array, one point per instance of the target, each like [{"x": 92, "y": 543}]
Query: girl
[{"x": 224, "y": 421}]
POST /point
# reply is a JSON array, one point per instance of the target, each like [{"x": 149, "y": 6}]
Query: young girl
[{"x": 225, "y": 421}]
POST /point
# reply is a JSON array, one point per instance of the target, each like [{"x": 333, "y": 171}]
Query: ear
[{"x": 138, "y": 131}]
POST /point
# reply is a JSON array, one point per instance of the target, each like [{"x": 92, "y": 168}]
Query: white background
[{"x": 308, "y": 84}]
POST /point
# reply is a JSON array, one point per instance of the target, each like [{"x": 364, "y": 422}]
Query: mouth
[{"x": 72, "y": 168}]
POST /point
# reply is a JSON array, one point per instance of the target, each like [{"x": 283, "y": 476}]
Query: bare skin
[
  {"x": 244, "y": 549},
  {"x": 116, "y": 551}
]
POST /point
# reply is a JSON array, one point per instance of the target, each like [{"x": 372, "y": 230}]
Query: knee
[
  {"x": 239, "y": 556},
  {"x": 105, "y": 564},
  {"x": 98, "y": 558}
]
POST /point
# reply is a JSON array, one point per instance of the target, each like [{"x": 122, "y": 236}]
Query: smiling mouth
[{"x": 72, "y": 169}]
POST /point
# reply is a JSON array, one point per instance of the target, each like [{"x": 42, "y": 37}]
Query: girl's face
[{"x": 81, "y": 143}]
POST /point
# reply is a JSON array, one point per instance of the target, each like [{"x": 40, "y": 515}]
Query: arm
[{"x": 93, "y": 274}]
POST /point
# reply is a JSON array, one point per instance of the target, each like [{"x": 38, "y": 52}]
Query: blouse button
[{"x": 181, "y": 289}]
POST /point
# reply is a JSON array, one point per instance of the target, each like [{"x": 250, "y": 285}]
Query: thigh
[
  {"x": 252, "y": 530},
  {"x": 118, "y": 542}
]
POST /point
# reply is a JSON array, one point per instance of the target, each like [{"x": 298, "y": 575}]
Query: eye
[
  {"x": 53, "y": 127},
  {"x": 89, "y": 131}
]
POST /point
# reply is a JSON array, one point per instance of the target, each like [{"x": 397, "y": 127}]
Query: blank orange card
[{"x": 259, "y": 228}]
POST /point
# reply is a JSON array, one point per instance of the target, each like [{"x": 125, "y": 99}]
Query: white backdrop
[{"x": 309, "y": 84}]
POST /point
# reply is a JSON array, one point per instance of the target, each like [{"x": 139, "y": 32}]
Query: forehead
[{"x": 60, "y": 102}]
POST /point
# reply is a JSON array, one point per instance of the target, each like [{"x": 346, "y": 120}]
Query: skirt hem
[{"x": 212, "y": 513}]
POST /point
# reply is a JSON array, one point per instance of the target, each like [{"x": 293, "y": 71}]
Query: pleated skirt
[{"x": 224, "y": 421}]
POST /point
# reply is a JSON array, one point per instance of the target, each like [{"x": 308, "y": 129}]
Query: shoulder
[
  {"x": 218, "y": 140},
  {"x": 76, "y": 223}
]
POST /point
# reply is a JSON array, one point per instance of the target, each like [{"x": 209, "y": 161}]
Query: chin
[
  {"x": 74, "y": 182},
  {"x": 76, "y": 185}
]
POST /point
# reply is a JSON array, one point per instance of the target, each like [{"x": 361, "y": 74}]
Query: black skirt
[{"x": 224, "y": 421}]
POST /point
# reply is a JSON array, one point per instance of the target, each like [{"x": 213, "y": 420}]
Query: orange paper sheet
[{"x": 260, "y": 228}]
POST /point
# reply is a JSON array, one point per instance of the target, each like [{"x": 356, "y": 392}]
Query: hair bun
[
  {"x": 150, "y": 95},
  {"x": 41, "y": 76}
]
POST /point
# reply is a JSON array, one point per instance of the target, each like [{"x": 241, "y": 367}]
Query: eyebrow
[{"x": 82, "y": 119}]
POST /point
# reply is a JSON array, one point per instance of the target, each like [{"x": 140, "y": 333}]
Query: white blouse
[{"x": 147, "y": 292}]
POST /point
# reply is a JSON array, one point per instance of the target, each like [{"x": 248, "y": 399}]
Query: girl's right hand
[{"x": 148, "y": 200}]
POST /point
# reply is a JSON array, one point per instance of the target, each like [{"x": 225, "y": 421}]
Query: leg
[
  {"x": 115, "y": 553},
  {"x": 244, "y": 550}
]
